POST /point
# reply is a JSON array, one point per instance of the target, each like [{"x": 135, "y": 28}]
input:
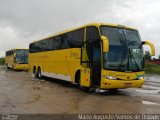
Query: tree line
[
  {"x": 2, "y": 61},
  {"x": 148, "y": 57}
]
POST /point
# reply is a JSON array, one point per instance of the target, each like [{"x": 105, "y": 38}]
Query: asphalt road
[{"x": 21, "y": 93}]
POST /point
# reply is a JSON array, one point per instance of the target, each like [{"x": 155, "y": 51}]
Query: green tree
[
  {"x": 159, "y": 57},
  {"x": 2, "y": 61},
  {"x": 147, "y": 55}
]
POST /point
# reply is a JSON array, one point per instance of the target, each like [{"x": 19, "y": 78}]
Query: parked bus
[
  {"x": 17, "y": 59},
  {"x": 105, "y": 56}
]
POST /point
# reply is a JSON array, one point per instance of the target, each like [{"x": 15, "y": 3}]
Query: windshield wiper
[
  {"x": 112, "y": 65},
  {"x": 122, "y": 60}
]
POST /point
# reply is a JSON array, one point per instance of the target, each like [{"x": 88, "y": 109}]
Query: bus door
[
  {"x": 95, "y": 62},
  {"x": 85, "y": 71},
  {"x": 93, "y": 51}
]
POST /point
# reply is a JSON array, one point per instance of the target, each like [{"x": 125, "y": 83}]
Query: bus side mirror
[
  {"x": 105, "y": 43},
  {"x": 151, "y": 45}
]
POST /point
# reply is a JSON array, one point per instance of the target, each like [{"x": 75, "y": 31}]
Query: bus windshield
[
  {"x": 22, "y": 56},
  {"x": 125, "y": 50}
]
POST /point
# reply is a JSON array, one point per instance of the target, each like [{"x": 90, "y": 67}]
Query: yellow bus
[
  {"x": 98, "y": 55},
  {"x": 17, "y": 59}
]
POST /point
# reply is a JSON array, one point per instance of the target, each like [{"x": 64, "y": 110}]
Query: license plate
[{"x": 127, "y": 85}]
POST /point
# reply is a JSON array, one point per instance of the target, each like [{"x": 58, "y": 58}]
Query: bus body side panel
[
  {"x": 60, "y": 64},
  {"x": 74, "y": 62},
  {"x": 55, "y": 64},
  {"x": 9, "y": 60}
]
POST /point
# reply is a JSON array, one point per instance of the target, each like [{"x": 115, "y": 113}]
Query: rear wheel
[
  {"x": 39, "y": 75},
  {"x": 35, "y": 72}
]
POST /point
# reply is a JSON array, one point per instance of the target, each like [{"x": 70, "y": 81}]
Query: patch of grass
[
  {"x": 2, "y": 61},
  {"x": 152, "y": 68}
]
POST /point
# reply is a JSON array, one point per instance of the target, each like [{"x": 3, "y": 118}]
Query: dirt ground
[{"x": 20, "y": 93}]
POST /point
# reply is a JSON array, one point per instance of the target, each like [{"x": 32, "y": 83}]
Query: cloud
[{"x": 22, "y": 22}]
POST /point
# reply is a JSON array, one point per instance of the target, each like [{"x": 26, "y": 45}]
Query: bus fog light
[{"x": 110, "y": 77}]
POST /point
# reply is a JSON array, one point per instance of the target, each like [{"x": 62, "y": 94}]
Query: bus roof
[
  {"x": 83, "y": 26},
  {"x": 18, "y": 49}
]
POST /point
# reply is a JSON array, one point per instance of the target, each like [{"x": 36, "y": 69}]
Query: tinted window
[
  {"x": 49, "y": 44},
  {"x": 64, "y": 42},
  {"x": 92, "y": 34},
  {"x": 35, "y": 47},
  {"x": 56, "y": 43},
  {"x": 72, "y": 39},
  {"x": 10, "y": 52},
  {"x": 77, "y": 38},
  {"x": 43, "y": 45}
]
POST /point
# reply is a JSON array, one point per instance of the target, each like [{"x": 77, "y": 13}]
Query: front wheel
[
  {"x": 113, "y": 90},
  {"x": 83, "y": 88}
]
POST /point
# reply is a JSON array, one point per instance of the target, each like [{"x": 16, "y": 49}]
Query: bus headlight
[
  {"x": 110, "y": 77},
  {"x": 140, "y": 78}
]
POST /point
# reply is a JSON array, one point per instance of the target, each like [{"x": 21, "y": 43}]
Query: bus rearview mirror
[
  {"x": 105, "y": 43},
  {"x": 151, "y": 46}
]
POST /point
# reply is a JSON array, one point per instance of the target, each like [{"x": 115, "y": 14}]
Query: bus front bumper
[
  {"x": 21, "y": 67},
  {"x": 121, "y": 84}
]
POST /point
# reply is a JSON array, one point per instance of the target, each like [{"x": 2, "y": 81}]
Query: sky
[{"x": 24, "y": 21}]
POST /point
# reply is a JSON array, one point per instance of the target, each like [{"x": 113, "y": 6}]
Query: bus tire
[
  {"x": 82, "y": 88},
  {"x": 113, "y": 90},
  {"x": 36, "y": 73},
  {"x": 39, "y": 75}
]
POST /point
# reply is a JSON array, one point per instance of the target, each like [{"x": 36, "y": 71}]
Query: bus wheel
[
  {"x": 39, "y": 75},
  {"x": 86, "y": 89},
  {"x": 113, "y": 90},
  {"x": 35, "y": 73}
]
